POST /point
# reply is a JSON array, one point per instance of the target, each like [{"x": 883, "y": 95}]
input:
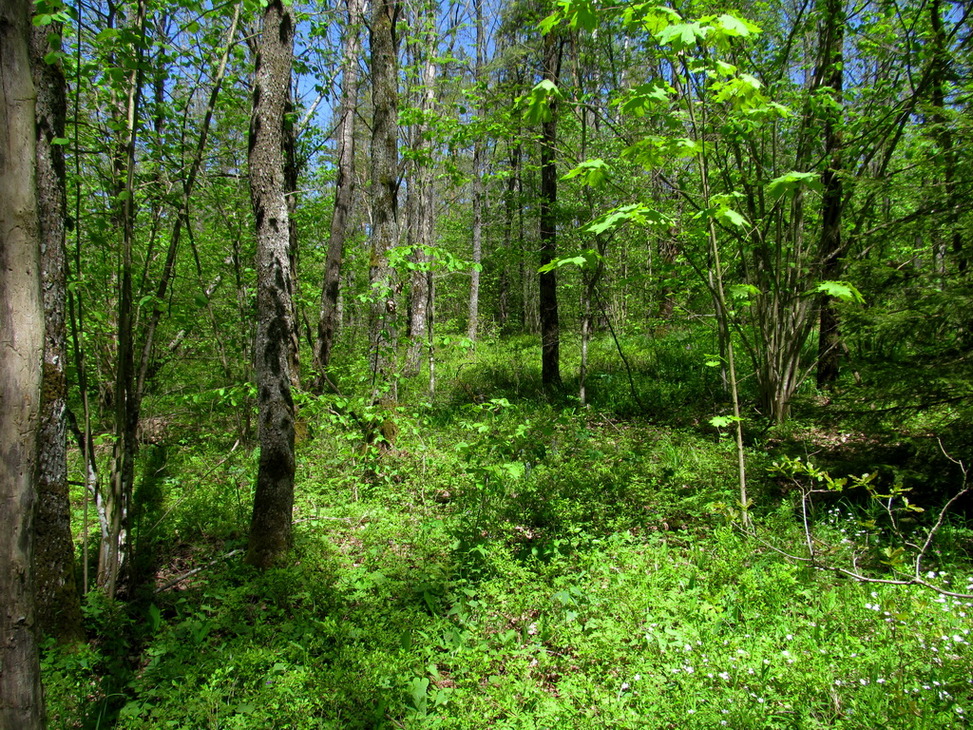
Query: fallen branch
[{"x": 194, "y": 571}]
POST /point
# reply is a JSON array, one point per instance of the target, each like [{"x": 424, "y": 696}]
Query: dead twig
[{"x": 194, "y": 571}]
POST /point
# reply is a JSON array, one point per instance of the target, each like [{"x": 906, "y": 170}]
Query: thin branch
[{"x": 179, "y": 579}]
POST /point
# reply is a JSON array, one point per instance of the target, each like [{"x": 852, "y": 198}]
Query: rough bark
[
  {"x": 21, "y": 367},
  {"x": 547, "y": 299},
  {"x": 344, "y": 198},
  {"x": 270, "y": 526},
  {"x": 829, "y": 331},
  {"x": 384, "y": 191},
  {"x": 58, "y": 602}
]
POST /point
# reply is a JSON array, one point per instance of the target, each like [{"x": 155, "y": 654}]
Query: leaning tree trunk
[
  {"x": 21, "y": 362},
  {"x": 58, "y": 603},
  {"x": 547, "y": 300},
  {"x": 384, "y": 173},
  {"x": 344, "y": 197},
  {"x": 270, "y": 526}
]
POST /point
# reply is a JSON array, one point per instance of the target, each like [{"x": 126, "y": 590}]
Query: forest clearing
[{"x": 534, "y": 364}]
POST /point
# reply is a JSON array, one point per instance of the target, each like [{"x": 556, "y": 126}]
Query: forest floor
[{"x": 513, "y": 561}]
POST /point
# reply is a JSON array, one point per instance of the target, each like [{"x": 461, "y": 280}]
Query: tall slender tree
[
  {"x": 270, "y": 525},
  {"x": 550, "y": 323},
  {"x": 831, "y": 69},
  {"x": 479, "y": 149},
  {"x": 344, "y": 197},
  {"x": 58, "y": 603},
  {"x": 421, "y": 201},
  {"x": 21, "y": 364},
  {"x": 384, "y": 190},
  {"x": 113, "y": 558}
]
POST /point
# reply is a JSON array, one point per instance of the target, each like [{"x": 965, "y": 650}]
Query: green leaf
[
  {"x": 639, "y": 100},
  {"x": 743, "y": 291},
  {"x": 634, "y": 213},
  {"x": 730, "y": 217},
  {"x": 789, "y": 183},
  {"x": 842, "y": 290},
  {"x": 595, "y": 172},
  {"x": 550, "y": 22},
  {"x": 723, "y": 421},
  {"x": 538, "y": 103},
  {"x": 682, "y": 35},
  {"x": 514, "y": 469},
  {"x": 731, "y": 25}
]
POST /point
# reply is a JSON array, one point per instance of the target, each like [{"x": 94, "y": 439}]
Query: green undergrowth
[{"x": 514, "y": 561}]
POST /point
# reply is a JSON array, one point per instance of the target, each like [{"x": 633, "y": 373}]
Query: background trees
[
  {"x": 578, "y": 176},
  {"x": 532, "y": 239}
]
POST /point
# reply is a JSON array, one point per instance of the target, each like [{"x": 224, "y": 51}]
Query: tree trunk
[
  {"x": 270, "y": 526},
  {"x": 58, "y": 603},
  {"x": 384, "y": 174},
  {"x": 422, "y": 194},
  {"x": 952, "y": 205},
  {"x": 829, "y": 333},
  {"x": 344, "y": 197},
  {"x": 473, "y": 322},
  {"x": 547, "y": 299},
  {"x": 21, "y": 368},
  {"x": 113, "y": 556}
]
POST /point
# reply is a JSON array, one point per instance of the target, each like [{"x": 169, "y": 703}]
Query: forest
[{"x": 486, "y": 363}]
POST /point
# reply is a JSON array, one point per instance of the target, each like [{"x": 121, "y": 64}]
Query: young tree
[
  {"x": 58, "y": 603},
  {"x": 21, "y": 360},
  {"x": 270, "y": 526}
]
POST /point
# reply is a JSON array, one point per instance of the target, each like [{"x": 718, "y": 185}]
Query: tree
[
  {"x": 831, "y": 68},
  {"x": 21, "y": 366},
  {"x": 472, "y": 326},
  {"x": 550, "y": 324},
  {"x": 384, "y": 190},
  {"x": 58, "y": 603},
  {"x": 117, "y": 498},
  {"x": 270, "y": 526},
  {"x": 344, "y": 198}
]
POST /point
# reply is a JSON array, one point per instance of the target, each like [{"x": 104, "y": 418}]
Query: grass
[{"x": 515, "y": 563}]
